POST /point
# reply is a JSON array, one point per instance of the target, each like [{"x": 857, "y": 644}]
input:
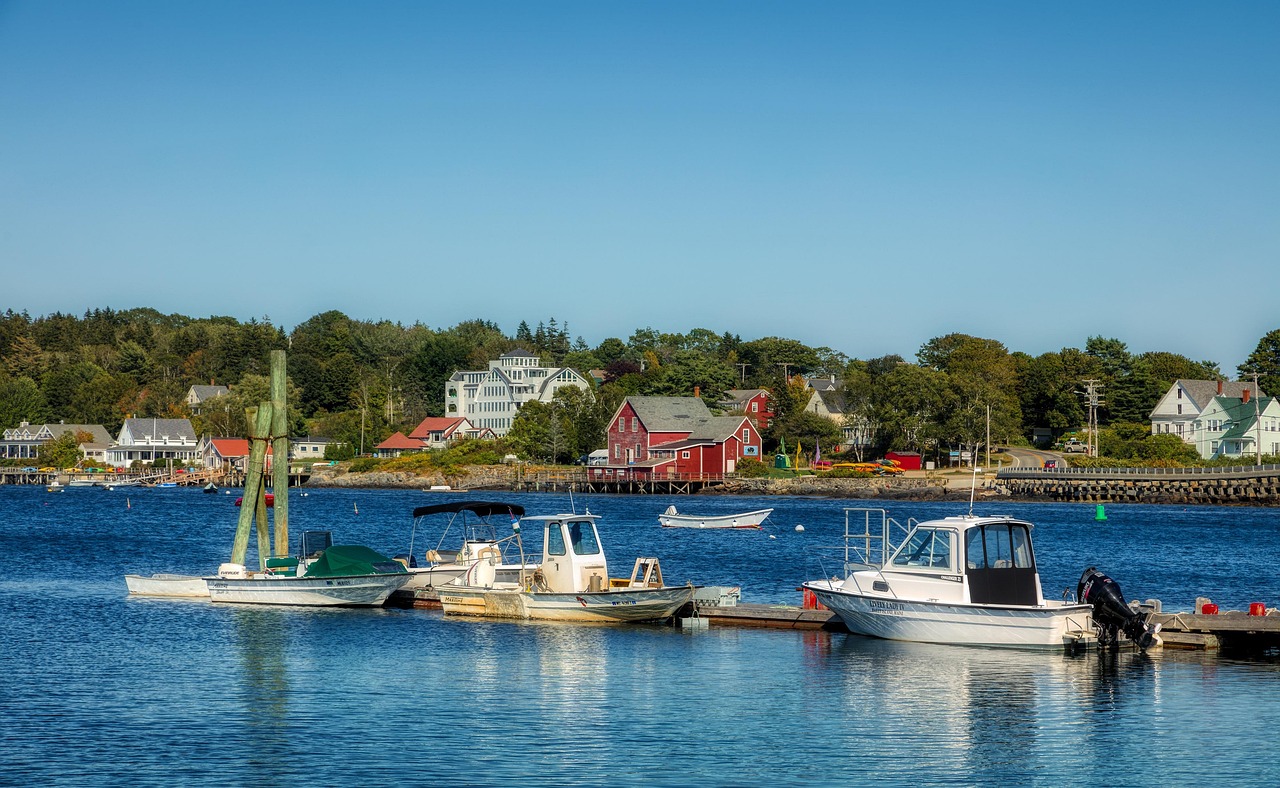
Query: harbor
[{"x": 112, "y": 668}]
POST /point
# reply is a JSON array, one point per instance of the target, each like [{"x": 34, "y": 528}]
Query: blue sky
[{"x": 863, "y": 176}]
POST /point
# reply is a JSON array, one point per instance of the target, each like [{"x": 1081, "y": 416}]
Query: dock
[{"x": 1235, "y": 630}]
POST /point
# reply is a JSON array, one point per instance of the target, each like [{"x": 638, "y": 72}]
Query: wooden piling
[
  {"x": 280, "y": 452},
  {"x": 259, "y": 420}
]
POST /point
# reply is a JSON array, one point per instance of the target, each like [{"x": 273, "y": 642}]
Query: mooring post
[
  {"x": 259, "y": 420},
  {"x": 280, "y": 451}
]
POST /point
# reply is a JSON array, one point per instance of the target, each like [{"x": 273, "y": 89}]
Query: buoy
[
  {"x": 1100, "y": 515},
  {"x": 128, "y": 504},
  {"x": 771, "y": 536},
  {"x": 799, "y": 529},
  {"x": 356, "y": 507}
]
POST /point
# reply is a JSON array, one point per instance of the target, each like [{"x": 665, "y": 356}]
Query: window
[
  {"x": 746, "y": 436},
  {"x": 582, "y": 535},
  {"x": 755, "y": 407},
  {"x": 555, "y": 540},
  {"x": 927, "y": 547},
  {"x": 622, "y": 424},
  {"x": 684, "y": 455},
  {"x": 1179, "y": 409},
  {"x": 1002, "y": 546},
  {"x": 635, "y": 424}
]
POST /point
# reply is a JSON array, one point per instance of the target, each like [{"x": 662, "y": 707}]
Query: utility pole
[
  {"x": 743, "y": 367},
  {"x": 785, "y": 366},
  {"x": 1093, "y": 397},
  {"x": 1257, "y": 419}
]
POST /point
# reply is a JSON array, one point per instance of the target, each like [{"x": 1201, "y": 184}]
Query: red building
[
  {"x": 676, "y": 435},
  {"x": 753, "y": 402},
  {"x": 907, "y": 460}
]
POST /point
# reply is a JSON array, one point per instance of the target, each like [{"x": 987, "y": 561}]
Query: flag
[{"x": 817, "y": 452}]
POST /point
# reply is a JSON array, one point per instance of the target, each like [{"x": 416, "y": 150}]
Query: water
[{"x": 97, "y": 688}]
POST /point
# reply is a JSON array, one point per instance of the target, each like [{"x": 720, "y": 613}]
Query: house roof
[
  {"x": 151, "y": 429},
  {"x": 1242, "y": 415},
  {"x": 399, "y": 441},
  {"x": 518, "y": 353},
  {"x": 443, "y": 424},
  {"x": 233, "y": 447},
  {"x": 1202, "y": 392},
  {"x": 669, "y": 414},
  {"x": 717, "y": 428},
  {"x": 822, "y": 384},
  {"x": 203, "y": 393},
  {"x": 741, "y": 397}
]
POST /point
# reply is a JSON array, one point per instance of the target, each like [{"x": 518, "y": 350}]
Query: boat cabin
[
  {"x": 572, "y": 556},
  {"x": 987, "y": 561}
]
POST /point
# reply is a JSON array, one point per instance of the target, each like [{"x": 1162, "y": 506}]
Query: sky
[{"x": 854, "y": 175}]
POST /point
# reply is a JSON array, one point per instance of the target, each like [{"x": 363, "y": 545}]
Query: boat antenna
[{"x": 973, "y": 483}]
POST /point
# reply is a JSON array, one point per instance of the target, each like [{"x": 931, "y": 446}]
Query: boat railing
[{"x": 868, "y": 537}]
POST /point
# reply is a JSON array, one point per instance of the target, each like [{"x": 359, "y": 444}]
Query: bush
[
  {"x": 751, "y": 468},
  {"x": 365, "y": 464}
]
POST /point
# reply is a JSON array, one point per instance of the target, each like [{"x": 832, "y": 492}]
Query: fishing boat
[
  {"x": 54, "y": 486},
  {"x": 571, "y": 583},
  {"x": 187, "y": 586},
  {"x": 673, "y": 519},
  {"x": 961, "y": 580},
  {"x": 323, "y": 575},
  {"x": 472, "y": 527}
]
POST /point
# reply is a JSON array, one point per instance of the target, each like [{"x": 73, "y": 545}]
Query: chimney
[
  {"x": 697, "y": 391},
  {"x": 1245, "y": 397},
  {"x": 1219, "y": 388}
]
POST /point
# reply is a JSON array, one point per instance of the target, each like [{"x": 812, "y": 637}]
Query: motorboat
[
  {"x": 472, "y": 528},
  {"x": 211, "y": 488},
  {"x": 167, "y": 585},
  {"x": 673, "y": 519},
  {"x": 268, "y": 497},
  {"x": 961, "y": 580},
  {"x": 323, "y": 575},
  {"x": 571, "y": 583},
  {"x": 54, "y": 486}
]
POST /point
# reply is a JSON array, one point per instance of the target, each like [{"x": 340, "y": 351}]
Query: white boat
[
  {"x": 167, "y": 585},
  {"x": 82, "y": 483},
  {"x": 325, "y": 575},
  {"x": 474, "y": 525},
  {"x": 959, "y": 580},
  {"x": 54, "y": 486},
  {"x": 673, "y": 519},
  {"x": 572, "y": 582}
]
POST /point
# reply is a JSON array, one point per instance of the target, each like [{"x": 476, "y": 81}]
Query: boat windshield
[
  {"x": 582, "y": 535},
  {"x": 555, "y": 539},
  {"x": 999, "y": 546},
  {"x": 930, "y": 547}
]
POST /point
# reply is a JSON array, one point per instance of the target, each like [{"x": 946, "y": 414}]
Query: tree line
[{"x": 358, "y": 381}]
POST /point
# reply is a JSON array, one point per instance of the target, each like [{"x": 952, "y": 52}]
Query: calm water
[{"x": 97, "y": 688}]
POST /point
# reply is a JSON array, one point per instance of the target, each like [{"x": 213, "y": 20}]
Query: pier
[{"x": 594, "y": 480}]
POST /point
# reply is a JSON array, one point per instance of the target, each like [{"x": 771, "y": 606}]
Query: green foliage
[
  {"x": 64, "y": 450},
  {"x": 1265, "y": 361},
  {"x": 751, "y": 468},
  {"x": 366, "y": 464},
  {"x": 1134, "y": 442}
]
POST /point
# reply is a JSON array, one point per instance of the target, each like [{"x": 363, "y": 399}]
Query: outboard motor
[{"x": 1111, "y": 614}]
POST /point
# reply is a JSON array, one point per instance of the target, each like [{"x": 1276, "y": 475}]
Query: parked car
[{"x": 1074, "y": 446}]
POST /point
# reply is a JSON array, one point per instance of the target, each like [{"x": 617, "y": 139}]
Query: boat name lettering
[
  {"x": 952, "y": 578},
  {"x": 877, "y": 604}
]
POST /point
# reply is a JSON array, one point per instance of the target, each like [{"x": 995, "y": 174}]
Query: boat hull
[
  {"x": 1051, "y": 626},
  {"x": 354, "y": 591},
  {"x": 186, "y": 586},
  {"x": 744, "y": 520},
  {"x": 618, "y": 605}
]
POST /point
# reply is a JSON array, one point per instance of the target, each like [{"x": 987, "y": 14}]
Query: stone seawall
[{"x": 1257, "y": 491}]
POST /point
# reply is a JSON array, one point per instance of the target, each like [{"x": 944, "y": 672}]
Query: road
[{"x": 1032, "y": 458}]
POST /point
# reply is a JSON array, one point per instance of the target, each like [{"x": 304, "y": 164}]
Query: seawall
[{"x": 1251, "y": 485}]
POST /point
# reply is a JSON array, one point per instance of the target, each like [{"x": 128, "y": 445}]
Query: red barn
[
  {"x": 753, "y": 402},
  {"x": 677, "y": 435}
]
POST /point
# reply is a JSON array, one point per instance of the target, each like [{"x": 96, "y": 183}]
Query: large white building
[{"x": 490, "y": 398}]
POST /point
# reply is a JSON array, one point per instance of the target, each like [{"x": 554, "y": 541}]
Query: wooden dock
[{"x": 1235, "y": 630}]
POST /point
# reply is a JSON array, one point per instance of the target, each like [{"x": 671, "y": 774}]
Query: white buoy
[
  {"x": 771, "y": 536},
  {"x": 799, "y": 529}
]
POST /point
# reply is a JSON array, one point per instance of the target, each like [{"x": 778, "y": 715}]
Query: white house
[
  {"x": 490, "y": 398},
  {"x": 197, "y": 395},
  {"x": 154, "y": 440},
  {"x": 1235, "y": 427},
  {"x": 1185, "y": 400},
  {"x": 25, "y": 440}
]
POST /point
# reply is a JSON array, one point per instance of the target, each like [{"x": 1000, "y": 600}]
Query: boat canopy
[
  {"x": 479, "y": 508},
  {"x": 347, "y": 560}
]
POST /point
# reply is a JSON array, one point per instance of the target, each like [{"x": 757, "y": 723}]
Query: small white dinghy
[
  {"x": 167, "y": 585},
  {"x": 673, "y": 519}
]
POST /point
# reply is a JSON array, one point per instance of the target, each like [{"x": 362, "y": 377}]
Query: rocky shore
[{"x": 500, "y": 478}]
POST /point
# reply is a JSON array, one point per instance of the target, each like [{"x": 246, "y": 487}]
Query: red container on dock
[
  {"x": 1257, "y": 609},
  {"x": 811, "y": 601},
  {"x": 1209, "y": 609}
]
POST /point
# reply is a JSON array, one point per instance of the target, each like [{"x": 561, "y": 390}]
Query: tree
[
  {"x": 63, "y": 451},
  {"x": 104, "y": 400},
  {"x": 20, "y": 400},
  {"x": 1265, "y": 362}
]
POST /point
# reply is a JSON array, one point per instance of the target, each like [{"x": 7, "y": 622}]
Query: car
[
  {"x": 1051, "y": 464},
  {"x": 1074, "y": 446}
]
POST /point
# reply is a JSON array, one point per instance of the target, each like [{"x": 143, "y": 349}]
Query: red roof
[
  {"x": 233, "y": 447},
  {"x": 399, "y": 441},
  {"x": 441, "y": 424}
]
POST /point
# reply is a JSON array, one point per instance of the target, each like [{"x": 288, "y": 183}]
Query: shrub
[{"x": 751, "y": 468}]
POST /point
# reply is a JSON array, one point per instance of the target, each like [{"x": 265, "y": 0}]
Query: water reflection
[{"x": 260, "y": 640}]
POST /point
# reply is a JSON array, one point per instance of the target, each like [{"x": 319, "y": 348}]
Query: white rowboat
[{"x": 673, "y": 519}]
